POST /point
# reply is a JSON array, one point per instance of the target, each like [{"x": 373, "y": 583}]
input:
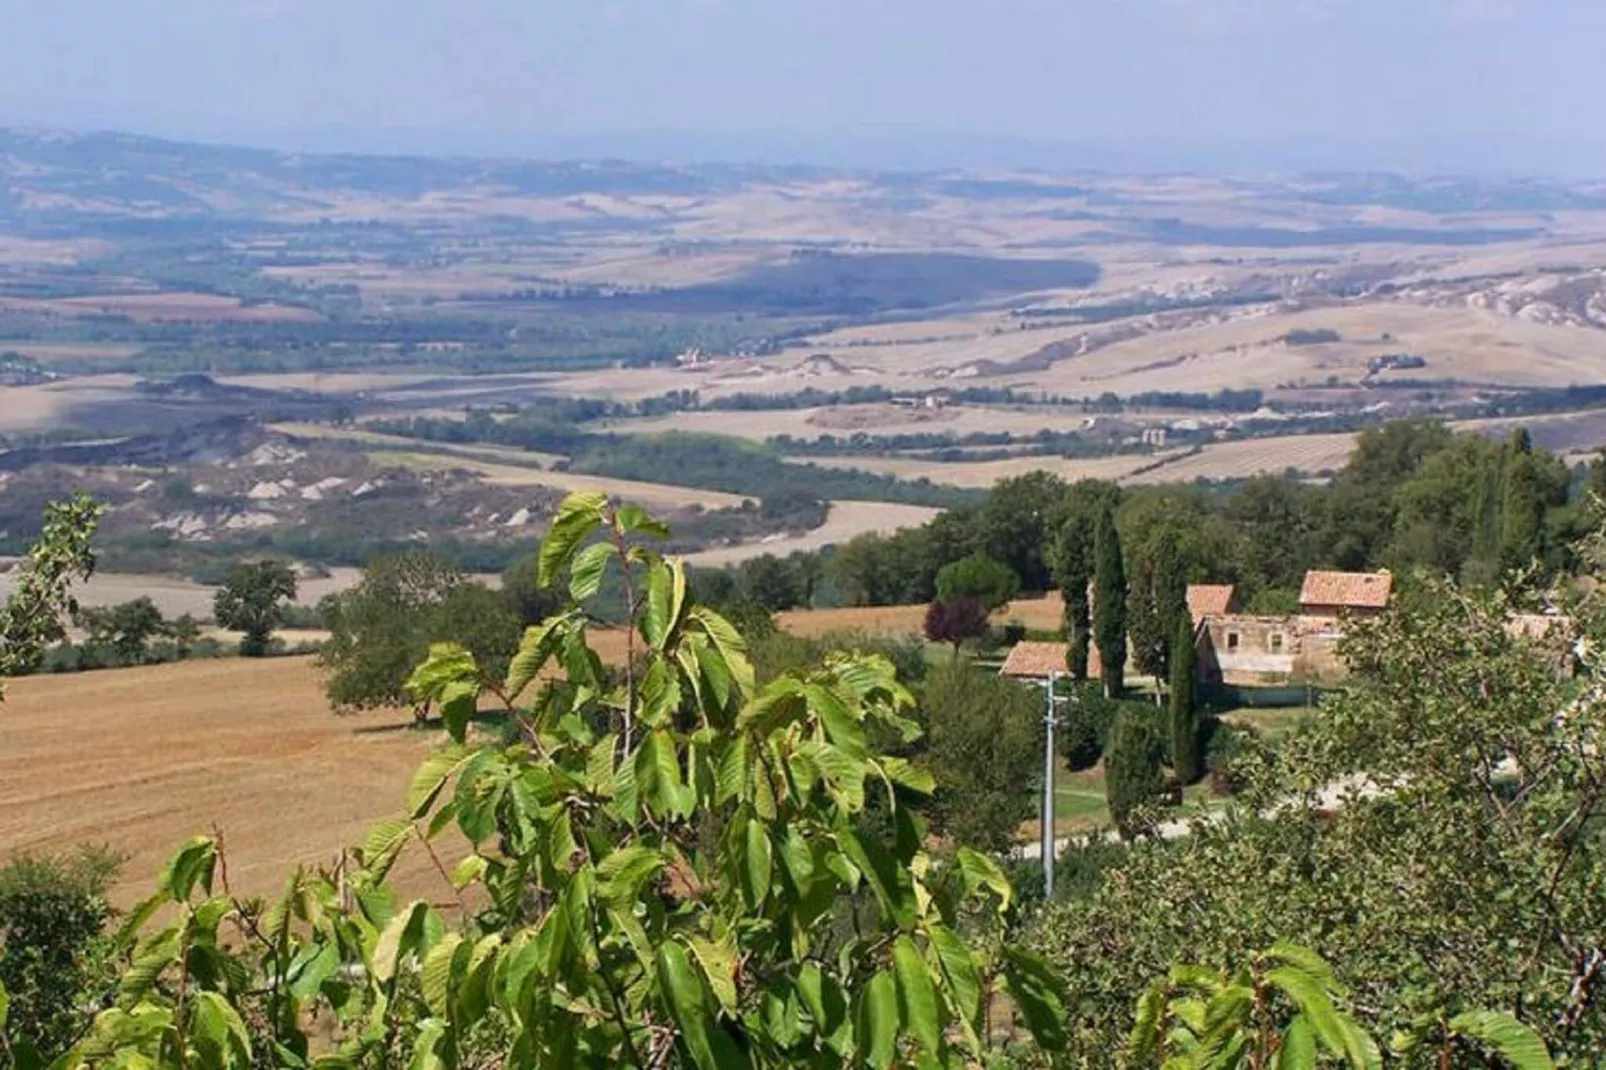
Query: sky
[{"x": 1501, "y": 85}]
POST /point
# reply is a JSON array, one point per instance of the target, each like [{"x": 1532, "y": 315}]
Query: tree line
[{"x": 1413, "y": 494}]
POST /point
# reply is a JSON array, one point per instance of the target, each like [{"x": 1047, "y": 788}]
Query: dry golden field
[
  {"x": 1041, "y": 613},
  {"x": 142, "y": 759},
  {"x": 843, "y": 421},
  {"x": 657, "y": 495},
  {"x": 26, "y": 409},
  {"x": 176, "y": 597},
  {"x": 1239, "y": 460},
  {"x": 845, "y": 520},
  {"x": 983, "y": 474},
  {"x": 162, "y": 308}
]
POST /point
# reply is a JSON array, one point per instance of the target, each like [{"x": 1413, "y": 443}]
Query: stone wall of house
[{"x": 1253, "y": 651}]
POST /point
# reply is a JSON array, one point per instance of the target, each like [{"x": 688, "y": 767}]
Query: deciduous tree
[
  {"x": 956, "y": 621},
  {"x": 978, "y": 576},
  {"x": 252, "y": 601}
]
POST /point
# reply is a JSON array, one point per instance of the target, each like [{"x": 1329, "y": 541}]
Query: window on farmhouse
[
  {"x": 1277, "y": 643},
  {"x": 1232, "y": 641}
]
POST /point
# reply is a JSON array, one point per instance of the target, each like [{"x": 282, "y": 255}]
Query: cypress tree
[
  {"x": 1184, "y": 717},
  {"x": 1073, "y": 571},
  {"x": 1169, "y": 594},
  {"x": 1132, "y": 767},
  {"x": 1521, "y": 509},
  {"x": 1109, "y": 601}
]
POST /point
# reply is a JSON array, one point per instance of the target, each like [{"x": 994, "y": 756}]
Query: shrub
[
  {"x": 52, "y": 958},
  {"x": 1134, "y": 776}
]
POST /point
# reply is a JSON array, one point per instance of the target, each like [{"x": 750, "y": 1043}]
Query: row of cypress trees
[{"x": 1088, "y": 556}]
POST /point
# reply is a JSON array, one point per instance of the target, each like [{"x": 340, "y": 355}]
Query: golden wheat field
[
  {"x": 1040, "y": 613},
  {"x": 142, "y": 759}
]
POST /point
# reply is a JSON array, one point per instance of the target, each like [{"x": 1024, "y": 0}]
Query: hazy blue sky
[{"x": 1457, "y": 83}]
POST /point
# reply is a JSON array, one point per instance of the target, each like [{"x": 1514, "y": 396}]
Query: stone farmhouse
[{"x": 1248, "y": 650}]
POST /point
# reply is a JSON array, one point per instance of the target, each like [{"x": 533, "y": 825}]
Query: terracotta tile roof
[
  {"x": 1210, "y": 600},
  {"x": 1035, "y": 660},
  {"x": 1354, "y": 590}
]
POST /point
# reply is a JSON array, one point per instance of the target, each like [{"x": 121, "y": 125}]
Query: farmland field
[
  {"x": 1239, "y": 460},
  {"x": 176, "y": 597},
  {"x": 983, "y": 474},
  {"x": 648, "y": 494},
  {"x": 843, "y": 522},
  {"x": 141, "y": 759},
  {"x": 1037, "y": 613}
]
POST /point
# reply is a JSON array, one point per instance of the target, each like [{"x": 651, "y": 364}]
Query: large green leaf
[
  {"x": 904, "y": 774},
  {"x": 1507, "y": 1037},
  {"x": 218, "y": 1032},
  {"x": 665, "y": 602},
  {"x": 689, "y": 1006},
  {"x": 538, "y": 645},
  {"x": 718, "y": 961},
  {"x": 623, "y": 872},
  {"x": 1314, "y": 1004},
  {"x": 433, "y": 775},
  {"x": 1036, "y": 991},
  {"x": 5, "y": 1006},
  {"x": 758, "y": 858},
  {"x": 980, "y": 871},
  {"x": 839, "y": 717},
  {"x": 459, "y": 703},
  {"x": 730, "y": 645},
  {"x": 578, "y": 517},
  {"x": 192, "y": 865},
  {"x": 1303, "y": 958},
  {"x": 585, "y": 574},
  {"x": 633, "y": 519},
  {"x": 1298, "y": 1051},
  {"x": 402, "y": 937},
  {"x": 658, "y": 777},
  {"x": 383, "y": 843},
  {"x": 961, "y": 978},
  {"x": 917, "y": 995},
  {"x": 1144, "y": 1039},
  {"x": 443, "y": 968},
  {"x": 877, "y": 1021},
  {"x": 889, "y": 882},
  {"x": 827, "y": 1005}
]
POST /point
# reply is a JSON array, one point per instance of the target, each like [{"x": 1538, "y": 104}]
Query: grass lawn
[
  {"x": 1273, "y": 722},
  {"x": 1080, "y": 805}
]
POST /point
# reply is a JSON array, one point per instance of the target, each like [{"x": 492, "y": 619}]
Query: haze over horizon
[{"x": 1234, "y": 85}]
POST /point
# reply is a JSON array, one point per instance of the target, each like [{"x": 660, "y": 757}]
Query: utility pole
[{"x": 1050, "y": 721}]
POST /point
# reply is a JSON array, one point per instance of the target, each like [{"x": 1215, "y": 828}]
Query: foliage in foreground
[
  {"x": 1284, "y": 1010},
  {"x": 54, "y": 957},
  {"x": 670, "y": 871},
  {"x": 31, "y": 618}
]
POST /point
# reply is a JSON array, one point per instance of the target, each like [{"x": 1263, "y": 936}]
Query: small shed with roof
[{"x": 1031, "y": 660}]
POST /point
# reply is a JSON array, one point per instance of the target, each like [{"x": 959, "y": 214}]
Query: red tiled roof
[
  {"x": 1210, "y": 600},
  {"x": 1354, "y": 590},
  {"x": 1038, "y": 660},
  {"x": 1031, "y": 660}
]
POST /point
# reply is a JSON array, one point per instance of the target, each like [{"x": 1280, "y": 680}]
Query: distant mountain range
[{"x": 58, "y": 177}]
